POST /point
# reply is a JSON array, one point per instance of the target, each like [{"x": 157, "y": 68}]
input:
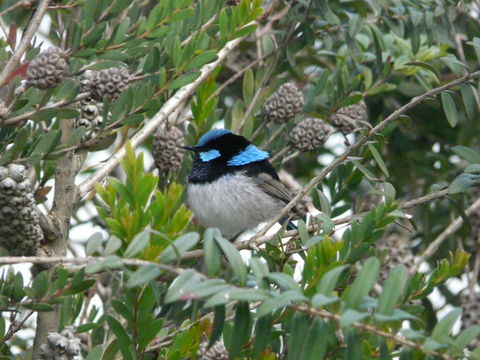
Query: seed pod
[
  {"x": 470, "y": 303},
  {"x": 399, "y": 253},
  {"x": 217, "y": 351},
  {"x": 167, "y": 148},
  {"x": 310, "y": 134},
  {"x": 48, "y": 69},
  {"x": 348, "y": 118},
  {"x": 20, "y": 232},
  {"x": 107, "y": 83},
  {"x": 65, "y": 345},
  {"x": 284, "y": 104}
]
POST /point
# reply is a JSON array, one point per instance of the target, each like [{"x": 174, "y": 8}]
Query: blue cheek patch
[
  {"x": 209, "y": 155},
  {"x": 247, "y": 156}
]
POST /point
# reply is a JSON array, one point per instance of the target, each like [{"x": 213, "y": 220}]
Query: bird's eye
[{"x": 209, "y": 155}]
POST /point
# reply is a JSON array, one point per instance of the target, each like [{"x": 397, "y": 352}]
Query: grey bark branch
[
  {"x": 180, "y": 96},
  {"x": 59, "y": 218},
  {"x": 360, "y": 142},
  {"x": 27, "y": 37}
]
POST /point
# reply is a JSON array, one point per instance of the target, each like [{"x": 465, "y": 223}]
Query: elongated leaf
[
  {"x": 467, "y": 153},
  {"x": 176, "y": 289},
  {"x": 284, "y": 299},
  {"x": 241, "y": 328},
  {"x": 450, "y": 108},
  {"x": 392, "y": 290},
  {"x": 213, "y": 255},
  {"x": 365, "y": 280},
  {"x": 139, "y": 242},
  {"x": 183, "y": 80},
  {"x": 328, "y": 282},
  {"x": 444, "y": 326},
  {"x": 297, "y": 338},
  {"x": 143, "y": 275},
  {"x": 263, "y": 330},
  {"x": 202, "y": 59},
  {"x": 93, "y": 243},
  {"x": 234, "y": 259},
  {"x": 315, "y": 345},
  {"x": 378, "y": 159},
  {"x": 218, "y": 323},
  {"x": 179, "y": 246}
]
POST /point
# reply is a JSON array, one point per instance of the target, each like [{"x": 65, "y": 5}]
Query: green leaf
[
  {"x": 234, "y": 259},
  {"x": 139, "y": 242},
  {"x": 469, "y": 101},
  {"x": 143, "y": 275},
  {"x": 466, "y": 337},
  {"x": 320, "y": 300},
  {"x": 119, "y": 330},
  {"x": 113, "y": 244},
  {"x": 248, "y": 86},
  {"x": 365, "y": 280},
  {"x": 42, "y": 307},
  {"x": 329, "y": 280},
  {"x": 47, "y": 142},
  {"x": 462, "y": 182},
  {"x": 296, "y": 339},
  {"x": 284, "y": 299},
  {"x": 285, "y": 281},
  {"x": 183, "y": 80},
  {"x": 202, "y": 59},
  {"x": 96, "y": 353},
  {"x": 450, "y": 108},
  {"x": 392, "y": 290},
  {"x": 176, "y": 289},
  {"x": 93, "y": 243},
  {"x": 315, "y": 345},
  {"x": 241, "y": 328},
  {"x": 467, "y": 153},
  {"x": 180, "y": 245},
  {"x": 86, "y": 327},
  {"x": 213, "y": 255},
  {"x": 350, "y": 316},
  {"x": 378, "y": 159},
  {"x": 218, "y": 323},
  {"x": 263, "y": 331},
  {"x": 443, "y": 328},
  {"x": 425, "y": 66}
]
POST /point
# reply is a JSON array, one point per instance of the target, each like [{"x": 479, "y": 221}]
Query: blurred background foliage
[{"x": 156, "y": 285}]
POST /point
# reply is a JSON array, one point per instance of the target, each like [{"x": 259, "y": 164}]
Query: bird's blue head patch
[
  {"x": 209, "y": 155},
  {"x": 248, "y": 155},
  {"x": 212, "y": 135}
]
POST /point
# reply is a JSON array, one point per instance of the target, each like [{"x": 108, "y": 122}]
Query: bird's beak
[{"x": 190, "y": 148}]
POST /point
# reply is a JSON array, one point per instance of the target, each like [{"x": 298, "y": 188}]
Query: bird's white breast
[{"x": 233, "y": 203}]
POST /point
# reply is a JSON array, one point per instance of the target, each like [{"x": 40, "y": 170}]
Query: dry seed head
[
  {"x": 470, "y": 304},
  {"x": 310, "y": 134},
  {"x": 20, "y": 232},
  {"x": 65, "y": 345},
  {"x": 167, "y": 148},
  {"x": 48, "y": 69},
  {"x": 284, "y": 104},
  {"x": 216, "y": 352},
  {"x": 399, "y": 253},
  {"x": 107, "y": 83},
  {"x": 348, "y": 118},
  {"x": 91, "y": 116}
]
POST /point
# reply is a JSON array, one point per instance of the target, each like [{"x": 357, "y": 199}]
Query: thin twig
[
  {"x": 180, "y": 96},
  {"x": 433, "y": 246},
  {"x": 27, "y": 36},
  {"x": 14, "y": 327},
  {"x": 361, "y": 141},
  {"x": 18, "y": 4},
  {"x": 372, "y": 330},
  {"x": 312, "y": 228},
  {"x": 25, "y": 116}
]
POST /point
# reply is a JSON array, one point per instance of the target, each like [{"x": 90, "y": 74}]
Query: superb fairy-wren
[{"x": 232, "y": 186}]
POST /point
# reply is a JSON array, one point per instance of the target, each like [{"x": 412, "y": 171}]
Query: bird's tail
[{"x": 290, "y": 224}]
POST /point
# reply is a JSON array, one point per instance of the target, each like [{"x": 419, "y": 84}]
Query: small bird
[{"x": 232, "y": 186}]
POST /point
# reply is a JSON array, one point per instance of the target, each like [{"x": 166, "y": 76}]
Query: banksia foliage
[
  {"x": 167, "y": 148},
  {"x": 20, "y": 232},
  {"x": 216, "y": 352},
  {"x": 310, "y": 134},
  {"x": 107, "y": 83},
  {"x": 90, "y": 116},
  {"x": 284, "y": 104},
  {"x": 61, "y": 346},
  {"x": 399, "y": 253},
  {"x": 348, "y": 118},
  {"x": 48, "y": 69}
]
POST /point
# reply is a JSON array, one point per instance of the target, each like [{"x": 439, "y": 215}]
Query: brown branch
[
  {"x": 372, "y": 330},
  {"x": 27, "y": 36}
]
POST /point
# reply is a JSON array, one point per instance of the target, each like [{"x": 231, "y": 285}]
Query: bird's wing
[{"x": 274, "y": 187}]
